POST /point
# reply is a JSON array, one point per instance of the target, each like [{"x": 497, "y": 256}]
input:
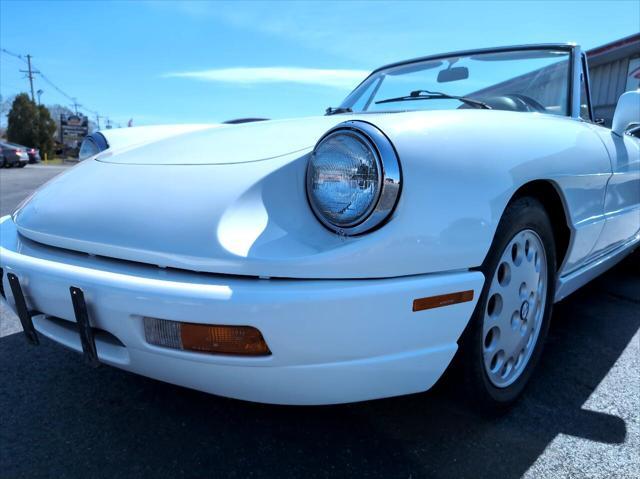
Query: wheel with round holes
[{"x": 504, "y": 339}]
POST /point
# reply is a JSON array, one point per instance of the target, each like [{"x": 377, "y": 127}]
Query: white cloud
[
  {"x": 384, "y": 31},
  {"x": 344, "y": 79}
]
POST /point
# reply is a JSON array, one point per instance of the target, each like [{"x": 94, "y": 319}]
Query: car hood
[
  {"x": 228, "y": 200},
  {"x": 227, "y": 144}
]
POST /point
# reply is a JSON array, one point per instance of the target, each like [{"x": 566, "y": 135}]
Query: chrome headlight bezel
[{"x": 389, "y": 178}]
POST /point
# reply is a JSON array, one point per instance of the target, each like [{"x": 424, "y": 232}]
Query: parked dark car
[
  {"x": 13, "y": 155},
  {"x": 34, "y": 155}
]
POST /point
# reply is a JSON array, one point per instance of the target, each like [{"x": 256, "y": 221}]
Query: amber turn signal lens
[
  {"x": 223, "y": 339},
  {"x": 431, "y": 302},
  {"x": 205, "y": 338}
]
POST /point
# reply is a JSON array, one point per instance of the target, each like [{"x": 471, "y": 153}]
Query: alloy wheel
[{"x": 515, "y": 308}]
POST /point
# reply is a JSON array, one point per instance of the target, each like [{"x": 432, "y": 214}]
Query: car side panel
[{"x": 622, "y": 201}]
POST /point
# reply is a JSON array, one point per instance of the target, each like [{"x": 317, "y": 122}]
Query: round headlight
[
  {"x": 92, "y": 145},
  {"x": 353, "y": 178}
]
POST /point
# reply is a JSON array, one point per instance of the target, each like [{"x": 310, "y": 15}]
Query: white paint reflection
[{"x": 242, "y": 224}]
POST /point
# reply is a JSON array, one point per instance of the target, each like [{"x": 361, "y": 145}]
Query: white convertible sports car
[{"x": 441, "y": 209}]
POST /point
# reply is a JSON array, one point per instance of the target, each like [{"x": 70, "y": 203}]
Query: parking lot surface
[{"x": 580, "y": 416}]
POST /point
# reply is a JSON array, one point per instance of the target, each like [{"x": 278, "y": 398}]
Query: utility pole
[
  {"x": 30, "y": 72},
  {"x": 98, "y": 120},
  {"x": 75, "y": 105}
]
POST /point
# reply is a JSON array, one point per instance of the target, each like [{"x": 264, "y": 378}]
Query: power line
[
  {"x": 4, "y": 50},
  {"x": 75, "y": 105},
  {"x": 27, "y": 60},
  {"x": 52, "y": 85}
]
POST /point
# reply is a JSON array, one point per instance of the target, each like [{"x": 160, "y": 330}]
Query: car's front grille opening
[{"x": 100, "y": 334}]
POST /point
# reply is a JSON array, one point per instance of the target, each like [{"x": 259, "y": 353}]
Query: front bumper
[{"x": 332, "y": 341}]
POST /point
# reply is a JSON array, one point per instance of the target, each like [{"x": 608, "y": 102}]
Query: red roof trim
[{"x": 613, "y": 45}]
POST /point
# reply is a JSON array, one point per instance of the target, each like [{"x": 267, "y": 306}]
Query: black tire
[
  {"x": 522, "y": 214},
  {"x": 21, "y": 165}
]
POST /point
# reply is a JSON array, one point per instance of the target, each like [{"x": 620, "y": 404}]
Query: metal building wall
[
  {"x": 608, "y": 70},
  {"x": 608, "y": 82}
]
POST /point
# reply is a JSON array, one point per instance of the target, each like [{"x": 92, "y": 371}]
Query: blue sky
[{"x": 183, "y": 62}]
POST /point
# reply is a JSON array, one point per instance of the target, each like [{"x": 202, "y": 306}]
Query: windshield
[{"x": 519, "y": 80}]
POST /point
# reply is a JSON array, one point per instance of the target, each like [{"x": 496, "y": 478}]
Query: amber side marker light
[
  {"x": 205, "y": 338},
  {"x": 431, "y": 302}
]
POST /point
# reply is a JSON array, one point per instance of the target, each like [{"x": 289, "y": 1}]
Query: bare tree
[{"x": 5, "y": 106}]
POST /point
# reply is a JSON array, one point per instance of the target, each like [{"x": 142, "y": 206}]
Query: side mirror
[{"x": 627, "y": 112}]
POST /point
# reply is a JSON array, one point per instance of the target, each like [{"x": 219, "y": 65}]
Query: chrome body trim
[
  {"x": 477, "y": 51},
  {"x": 390, "y": 178},
  {"x": 575, "y": 60},
  {"x": 575, "y": 280},
  {"x": 584, "y": 69},
  {"x": 575, "y": 71}
]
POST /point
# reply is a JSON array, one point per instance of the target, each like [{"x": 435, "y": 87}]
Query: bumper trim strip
[
  {"x": 87, "y": 338},
  {"x": 23, "y": 312}
]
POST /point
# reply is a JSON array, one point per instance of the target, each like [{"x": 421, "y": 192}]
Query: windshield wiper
[
  {"x": 435, "y": 95},
  {"x": 337, "y": 110}
]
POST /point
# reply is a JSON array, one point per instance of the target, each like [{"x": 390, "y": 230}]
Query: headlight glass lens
[
  {"x": 88, "y": 148},
  {"x": 92, "y": 145},
  {"x": 343, "y": 181}
]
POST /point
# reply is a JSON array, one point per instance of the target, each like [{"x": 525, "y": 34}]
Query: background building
[{"x": 613, "y": 69}]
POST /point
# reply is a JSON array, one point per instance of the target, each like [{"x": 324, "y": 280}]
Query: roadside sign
[{"x": 73, "y": 128}]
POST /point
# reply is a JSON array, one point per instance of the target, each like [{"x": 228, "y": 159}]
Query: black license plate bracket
[
  {"x": 24, "y": 313},
  {"x": 87, "y": 338}
]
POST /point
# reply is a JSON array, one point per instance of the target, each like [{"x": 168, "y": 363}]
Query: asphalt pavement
[
  {"x": 579, "y": 418},
  {"x": 18, "y": 183}
]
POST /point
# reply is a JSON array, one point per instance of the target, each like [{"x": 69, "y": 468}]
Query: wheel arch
[{"x": 551, "y": 197}]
